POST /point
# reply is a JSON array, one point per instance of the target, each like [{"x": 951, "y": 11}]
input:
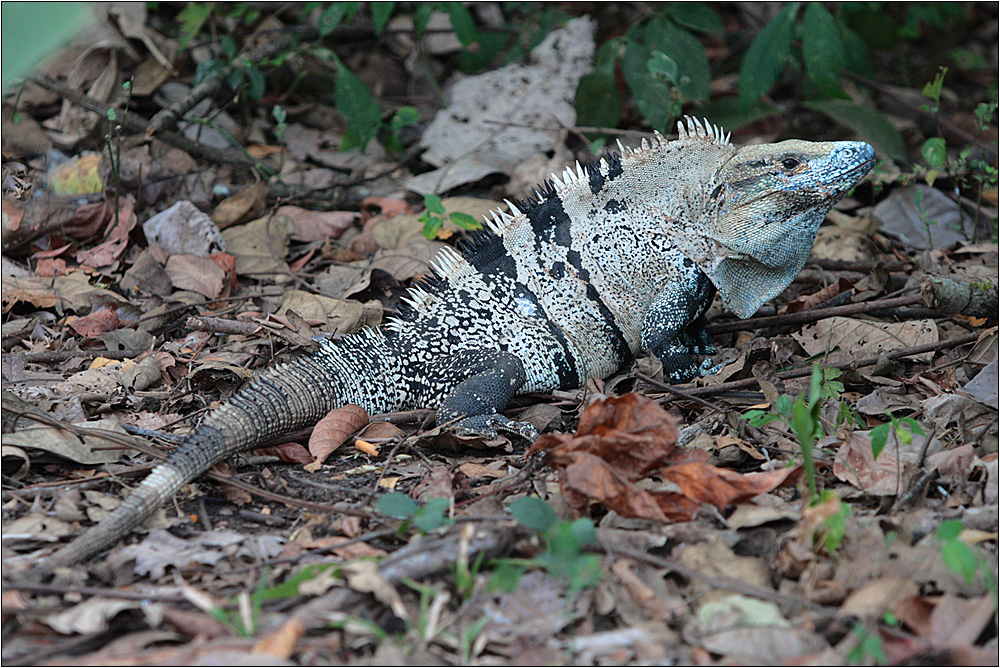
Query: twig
[
  {"x": 853, "y": 364},
  {"x": 678, "y": 392},
  {"x": 103, "y": 592},
  {"x": 222, "y": 326},
  {"x": 812, "y": 315},
  {"x": 425, "y": 559},
  {"x": 260, "y": 49},
  {"x": 54, "y": 356}
]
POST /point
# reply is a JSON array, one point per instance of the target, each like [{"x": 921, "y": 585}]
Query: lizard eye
[{"x": 789, "y": 163}]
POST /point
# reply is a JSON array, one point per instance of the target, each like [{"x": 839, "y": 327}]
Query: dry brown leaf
[
  {"x": 631, "y": 433},
  {"x": 198, "y": 274},
  {"x": 811, "y": 301},
  {"x": 282, "y": 642},
  {"x": 310, "y": 225},
  {"x": 473, "y": 470},
  {"x": 363, "y": 576},
  {"x": 291, "y": 453},
  {"x": 619, "y": 441},
  {"x": 847, "y": 339},
  {"x": 116, "y": 240},
  {"x": 249, "y": 203},
  {"x": 96, "y": 323},
  {"x": 335, "y": 428},
  {"x": 884, "y": 476},
  {"x": 703, "y": 483},
  {"x": 255, "y": 252}
]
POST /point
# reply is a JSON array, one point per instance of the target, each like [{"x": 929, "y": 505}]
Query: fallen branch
[
  {"x": 133, "y": 122},
  {"x": 812, "y": 315},
  {"x": 54, "y": 356},
  {"x": 953, "y": 342},
  {"x": 262, "y": 46},
  {"x": 222, "y": 326},
  {"x": 944, "y": 295}
]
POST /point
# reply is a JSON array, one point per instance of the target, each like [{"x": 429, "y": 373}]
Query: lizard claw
[{"x": 487, "y": 427}]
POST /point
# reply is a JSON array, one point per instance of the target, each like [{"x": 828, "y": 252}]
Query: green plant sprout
[
  {"x": 564, "y": 542},
  {"x": 427, "y": 517},
  {"x": 432, "y": 217},
  {"x": 904, "y": 428}
]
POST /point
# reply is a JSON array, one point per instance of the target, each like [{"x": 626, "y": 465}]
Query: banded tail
[{"x": 281, "y": 399}]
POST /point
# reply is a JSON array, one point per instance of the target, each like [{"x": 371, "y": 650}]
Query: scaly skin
[{"x": 607, "y": 262}]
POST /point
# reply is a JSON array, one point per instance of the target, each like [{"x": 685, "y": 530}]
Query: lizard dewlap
[{"x": 604, "y": 263}]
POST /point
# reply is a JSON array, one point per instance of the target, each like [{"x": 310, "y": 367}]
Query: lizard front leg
[
  {"x": 474, "y": 405},
  {"x": 673, "y": 328}
]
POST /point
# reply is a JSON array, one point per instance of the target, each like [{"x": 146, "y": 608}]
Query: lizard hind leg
[{"x": 486, "y": 382}]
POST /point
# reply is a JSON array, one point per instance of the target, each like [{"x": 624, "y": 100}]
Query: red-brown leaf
[{"x": 331, "y": 432}]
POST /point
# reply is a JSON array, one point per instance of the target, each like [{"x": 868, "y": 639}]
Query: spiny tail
[{"x": 284, "y": 398}]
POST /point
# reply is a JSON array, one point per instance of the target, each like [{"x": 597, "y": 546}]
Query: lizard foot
[
  {"x": 706, "y": 368},
  {"x": 487, "y": 426}
]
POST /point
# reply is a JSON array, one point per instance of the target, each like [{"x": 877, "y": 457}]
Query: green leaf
[
  {"x": 192, "y": 18},
  {"x": 932, "y": 89},
  {"x": 358, "y": 107},
  {"x": 960, "y": 558},
  {"x": 856, "y": 55},
  {"x": 815, "y": 386},
  {"x": 208, "y": 68},
  {"x": 759, "y": 418},
  {"x": 331, "y": 18},
  {"x": 421, "y": 15},
  {"x": 431, "y": 515},
  {"x": 662, "y": 65},
  {"x": 489, "y": 44},
  {"x": 765, "y": 60},
  {"x": 584, "y": 531},
  {"x": 235, "y": 78},
  {"x": 598, "y": 102},
  {"x": 870, "y": 124},
  {"x": 533, "y": 513},
  {"x": 784, "y": 405},
  {"x": 258, "y": 85},
  {"x": 403, "y": 117},
  {"x": 433, "y": 203},
  {"x": 381, "y": 11},
  {"x": 802, "y": 422},
  {"x": 431, "y": 225},
  {"x": 913, "y": 426},
  {"x": 879, "y": 437},
  {"x": 228, "y": 47},
  {"x": 935, "y": 152},
  {"x": 653, "y": 97},
  {"x": 397, "y": 505},
  {"x": 694, "y": 76},
  {"x": 465, "y": 221},
  {"x": 607, "y": 56},
  {"x": 696, "y": 16},
  {"x": 836, "y": 526},
  {"x": 949, "y": 530},
  {"x": 585, "y": 571},
  {"x": 505, "y": 577},
  {"x": 822, "y": 49},
  {"x": 462, "y": 23}
]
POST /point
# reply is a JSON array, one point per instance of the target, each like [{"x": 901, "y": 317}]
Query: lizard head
[{"x": 764, "y": 209}]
